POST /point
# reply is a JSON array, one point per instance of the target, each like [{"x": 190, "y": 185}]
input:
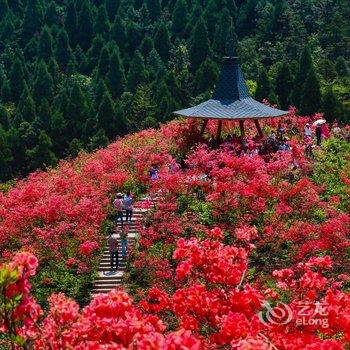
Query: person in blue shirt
[{"x": 128, "y": 202}]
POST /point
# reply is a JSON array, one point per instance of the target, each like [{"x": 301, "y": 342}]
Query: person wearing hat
[
  {"x": 119, "y": 207},
  {"x": 308, "y": 131}
]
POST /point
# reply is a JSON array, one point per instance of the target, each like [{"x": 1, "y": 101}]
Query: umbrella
[{"x": 319, "y": 122}]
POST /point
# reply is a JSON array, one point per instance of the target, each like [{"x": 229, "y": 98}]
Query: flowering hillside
[{"x": 241, "y": 252}]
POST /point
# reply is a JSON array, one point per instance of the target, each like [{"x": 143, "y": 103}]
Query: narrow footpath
[{"x": 106, "y": 279}]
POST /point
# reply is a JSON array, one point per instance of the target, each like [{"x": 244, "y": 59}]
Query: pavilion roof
[{"x": 231, "y": 99}]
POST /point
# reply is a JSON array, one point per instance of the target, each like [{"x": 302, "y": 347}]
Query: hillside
[
  {"x": 242, "y": 250},
  {"x": 74, "y": 74}
]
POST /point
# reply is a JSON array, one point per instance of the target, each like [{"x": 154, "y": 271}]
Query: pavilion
[{"x": 231, "y": 101}]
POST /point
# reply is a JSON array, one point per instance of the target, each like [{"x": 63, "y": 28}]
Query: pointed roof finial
[{"x": 230, "y": 48}]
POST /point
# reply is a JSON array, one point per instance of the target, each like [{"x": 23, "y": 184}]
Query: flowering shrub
[{"x": 239, "y": 252}]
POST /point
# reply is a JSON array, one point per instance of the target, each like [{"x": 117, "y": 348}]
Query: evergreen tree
[
  {"x": 102, "y": 25},
  {"x": 45, "y": 45},
  {"x": 58, "y": 133},
  {"x": 95, "y": 51},
  {"x": 137, "y": 72},
  {"x": 6, "y": 158},
  {"x": 207, "y": 76},
  {"x": 342, "y": 67},
  {"x": 121, "y": 127},
  {"x": 200, "y": 48},
  {"x": 74, "y": 148},
  {"x": 63, "y": 51},
  {"x": 17, "y": 80},
  {"x": 112, "y": 7},
  {"x": 33, "y": 19},
  {"x": 44, "y": 114},
  {"x": 263, "y": 90},
  {"x": 305, "y": 64},
  {"x": 154, "y": 9},
  {"x": 180, "y": 18},
  {"x": 162, "y": 41},
  {"x": 284, "y": 85},
  {"x": 99, "y": 92},
  {"x": 43, "y": 84},
  {"x": 311, "y": 94},
  {"x": 41, "y": 156},
  {"x": 106, "y": 115},
  {"x": 54, "y": 71},
  {"x": 26, "y": 110},
  {"x": 118, "y": 32},
  {"x": 52, "y": 15},
  {"x": 4, "y": 117},
  {"x": 147, "y": 46},
  {"x": 103, "y": 62},
  {"x": 99, "y": 140},
  {"x": 4, "y": 8},
  {"x": 331, "y": 106},
  {"x": 224, "y": 32},
  {"x": 77, "y": 111},
  {"x": 71, "y": 23},
  {"x": 85, "y": 25},
  {"x": 116, "y": 75}
]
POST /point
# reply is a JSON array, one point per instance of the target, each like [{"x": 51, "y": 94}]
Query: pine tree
[
  {"x": 115, "y": 74},
  {"x": 342, "y": 67},
  {"x": 17, "y": 80},
  {"x": 106, "y": 115},
  {"x": 112, "y": 7},
  {"x": 162, "y": 41},
  {"x": 137, "y": 72},
  {"x": 99, "y": 140},
  {"x": 263, "y": 90},
  {"x": 58, "y": 133},
  {"x": 94, "y": 52},
  {"x": 118, "y": 32},
  {"x": 102, "y": 25},
  {"x": 154, "y": 9},
  {"x": 44, "y": 114},
  {"x": 4, "y": 8},
  {"x": 52, "y": 15},
  {"x": 147, "y": 46},
  {"x": 200, "y": 48},
  {"x": 207, "y": 76},
  {"x": 74, "y": 148},
  {"x": 103, "y": 62},
  {"x": 330, "y": 106},
  {"x": 305, "y": 64},
  {"x": 43, "y": 84},
  {"x": 4, "y": 118},
  {"x": 45, "y": 45},
  {"x": 63, "y": 51},
  {"x": 284, "y": 85},
  {"x": 180, "y": 17},
  {"x": 99, "y": 92},
  {"x": 121, "y": 127},
  {"x": 41, "y": 156},
  {"x": 311, "y": 94},
  {"x": 211, "y": 17},
  {"x": 77, "y": 111},
  {"x": 6, "y": 157},
  {"x": 224, "y": 32},
  {"x": 33, "y": 19},
  {"x": 26, "y": 109},
  {"x": 71, "y": 23},
  {"x": 85, "y": 25}
]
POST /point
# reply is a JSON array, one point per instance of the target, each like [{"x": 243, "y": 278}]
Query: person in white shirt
[{"x": 307, "y": 131}]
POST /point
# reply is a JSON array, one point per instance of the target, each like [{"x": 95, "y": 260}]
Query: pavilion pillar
[
  {"x": 256, "y": 122},
  {"x": 218, "y": 135},
  {"x": 241, "y": 128},
  {"x": 204, "y": 125}
]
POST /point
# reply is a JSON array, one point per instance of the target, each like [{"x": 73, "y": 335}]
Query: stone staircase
[{"x": 107, "y": 279}]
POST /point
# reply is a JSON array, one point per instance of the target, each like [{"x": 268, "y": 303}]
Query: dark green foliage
[
  {"x": 331, "y": 106},
  {"x": 60, "y": 59},
  {"x": 284, "y": 85},
  {"x": 264, "y": 89},
  {"x": 6, "y": 158},
  {"x": 311, "y": 94},
  {"x": 162, "y": 41},
  {"x": 200, "y": 48},
  {"x": 115, "y": 75},
  {"x": 137, "y": 73},
  {"x": 41, "y": 156}
]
